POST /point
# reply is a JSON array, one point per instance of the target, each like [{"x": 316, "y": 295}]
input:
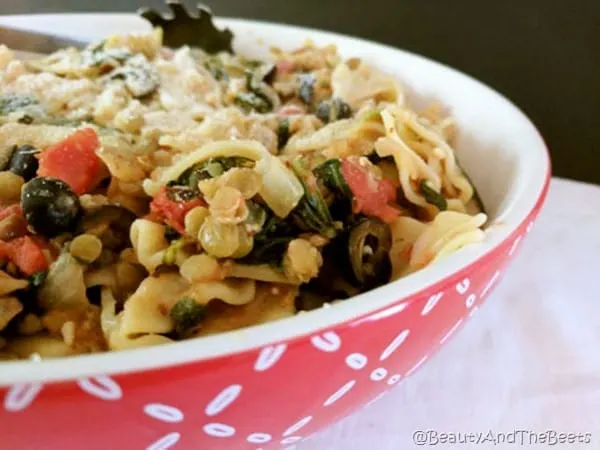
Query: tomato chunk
[
  {"x": 372, "y": 195},
  {"x": 74, "y": 161},
  {"x": 25, "y": 253},
  {"x": 167, "y": 207},
  {"x": 285, "y": 67}
]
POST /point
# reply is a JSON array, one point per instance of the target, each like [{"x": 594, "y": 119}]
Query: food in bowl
[{"x": 150, "y": 195}]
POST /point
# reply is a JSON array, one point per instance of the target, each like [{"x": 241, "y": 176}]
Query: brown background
[{"x": 542, "y": 54}]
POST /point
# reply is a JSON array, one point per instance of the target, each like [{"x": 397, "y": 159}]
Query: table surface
[
  {"x": 541, "y": 54},
  {"x": 528, "y": 360}
]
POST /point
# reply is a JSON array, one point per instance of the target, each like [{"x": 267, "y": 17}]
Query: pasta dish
[{"x": 149, "y": 194}]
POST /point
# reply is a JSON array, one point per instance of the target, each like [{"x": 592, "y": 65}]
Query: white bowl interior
[{"x": 497, "y": 145}]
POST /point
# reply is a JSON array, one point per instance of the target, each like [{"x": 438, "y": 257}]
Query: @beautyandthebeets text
[{"x": 521, "y": 438}]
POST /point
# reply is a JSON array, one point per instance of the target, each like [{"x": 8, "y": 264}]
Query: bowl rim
[{"x": 354, "y": 310}]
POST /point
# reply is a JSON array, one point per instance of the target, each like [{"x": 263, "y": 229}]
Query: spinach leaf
[
  {"x": 139, "y": 77},
  {"x": 330, "y": 172},
  {"x": 433, "y": 197},
  {"x": 171, "y": 234},
  {"x": 312, "y": 212},
  {"x": 257, "y": 74},
  {"x": 253, "y": 101},
  {"x": 283, "y": 133},
  {"x": 270, "y": 244},
  {"x": 215, "y": 66},
  {"x": 186, "y": 314},
  {"x": 27, "y": 105},
  {"x": 103, "y": 59},
  {"x": 37, "y": 279}
]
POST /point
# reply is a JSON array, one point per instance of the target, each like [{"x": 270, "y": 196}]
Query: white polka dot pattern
[
  {"x": 20, "y": 396},
  {"x": 470, "y": 301},
  {"x": 394, "y": 379},
  {"x": 339, "y": 393},
  {"x": 356, "y": 361},
  {"x": 378, "y": 374},
  {"x": 433, "y": 300},
  {"x": 164, "y": 413},
  {"x": 166, "y": 442},
  {"x": 451, "y": 331},
  {"x": 259, "y": 438},
  {"x": 376, "y": 399},
  {"x": 514, "y": 246},
  {"x": 268, "y": 356},
  {"x": 463, "y": 286},
  {"x": 359, "y": 365},
  {"x": 327, "y": 342},
  {"x": 416, "y": 366},
  {"x": 297, "y": 426},
  {"x": 529, "y": 226},
  {"x": 225, "y": 398},
  {"x": 490, "y": 283},
  {"x": 102, "y": 387},
  {"x": 393, "y": 346},
  {"x": 219, "y": 430}
]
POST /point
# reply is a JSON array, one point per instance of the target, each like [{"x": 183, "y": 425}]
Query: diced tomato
[
  {"x": 284, "y": 67},
  {"x": 372, "y": 196},
  {"x": 165, "y": 208},
  {"x": 74, "y": 161},
  {"x": 291, "y": 110},
  {"x": 26, "y": 253}
]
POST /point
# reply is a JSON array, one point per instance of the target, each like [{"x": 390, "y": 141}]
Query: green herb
[
  {"x": 210, "y": 168},
  {"x": 432, "y": 197},
  {"x": 283, "y": 133},
  {"x": 171, "y": 234},
  {"x": 195, "y": 30},
  {"x": 104, "y": 59},
  {"x": 26, "y": 106},
  {"x": 37, "y": 279},
  {"x": 330, "y": 172},
  {"x": 214, "y": 65},
  {"x": 139, "y": 77},
  {"x": 475, "y": 195},
  {"x": 170, "y": 256},
  {"x": 271, "y": 242},
  {"x": 257, "y": 74},
  {"x": 10, "y": 103},
  {"x": 253, "y": 101},
  {"x": 307, "y": 88},
  {"x": 312, "y": 212},
  {"x": 186, "y": 314}
]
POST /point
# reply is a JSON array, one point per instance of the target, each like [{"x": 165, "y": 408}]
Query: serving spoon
[{"x": 180, "y": 28}]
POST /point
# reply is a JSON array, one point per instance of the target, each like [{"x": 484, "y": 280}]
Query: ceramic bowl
[{"x": 270, "y": 386}]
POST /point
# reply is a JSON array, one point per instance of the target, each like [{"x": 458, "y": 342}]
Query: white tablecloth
[{"x": 528, "y": 361}]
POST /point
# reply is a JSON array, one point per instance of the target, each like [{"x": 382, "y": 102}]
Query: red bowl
[{"x": 270, "y": 386}]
